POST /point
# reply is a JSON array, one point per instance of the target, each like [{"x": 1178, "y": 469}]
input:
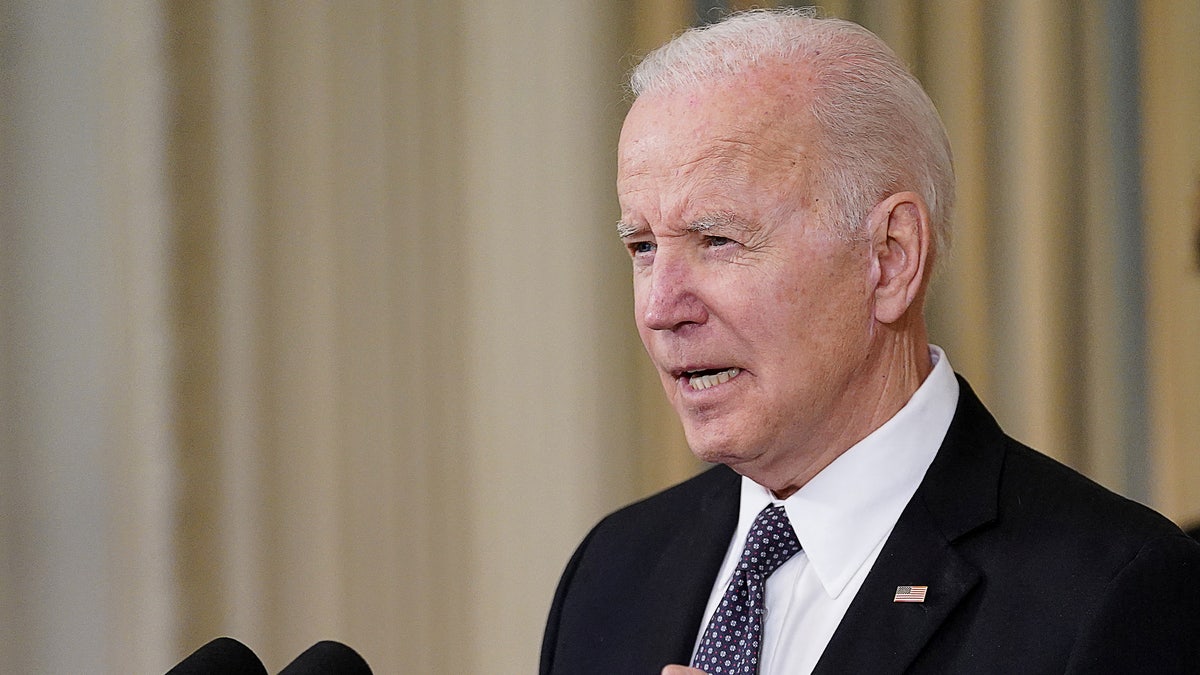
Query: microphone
[
  {"x": 223, "y": 655},
  {"x": 328, "y": 658}
]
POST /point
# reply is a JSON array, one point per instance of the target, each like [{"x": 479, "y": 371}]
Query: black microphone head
[
  {"x": 223, "y": 655},
  {"x": 328, "y": 658}
]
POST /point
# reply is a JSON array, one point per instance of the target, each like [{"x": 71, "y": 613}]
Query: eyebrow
[
  {"x": 726, "y": 220},
  {"x": 625, "y": 229},
  {"x": 722, "y": 219},
  {"x": 702, "y": 224}
]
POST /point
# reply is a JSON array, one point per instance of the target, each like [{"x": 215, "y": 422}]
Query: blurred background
[{"x": 314, "y": 324}]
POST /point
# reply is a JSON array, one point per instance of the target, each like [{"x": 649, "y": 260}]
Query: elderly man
[{"x": 785, "y": 189}]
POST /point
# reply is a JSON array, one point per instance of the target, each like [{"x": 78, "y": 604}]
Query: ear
[{"x": 900, "y": 242}]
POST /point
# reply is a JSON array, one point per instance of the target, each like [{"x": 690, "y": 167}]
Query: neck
[{"x": 883, "y": 387}]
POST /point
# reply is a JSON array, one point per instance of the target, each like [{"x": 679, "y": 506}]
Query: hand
[{"x": 681, "y": 670}]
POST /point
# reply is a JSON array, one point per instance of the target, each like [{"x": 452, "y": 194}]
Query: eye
[
  {"x": 714, "y": 241},
  {"x": 640, "y": 248}
]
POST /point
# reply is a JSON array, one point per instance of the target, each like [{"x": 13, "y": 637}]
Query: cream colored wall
[{"x": 314, "y": 324}]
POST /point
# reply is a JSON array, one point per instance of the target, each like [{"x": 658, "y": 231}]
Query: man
[{"x": 785, "y": 188}]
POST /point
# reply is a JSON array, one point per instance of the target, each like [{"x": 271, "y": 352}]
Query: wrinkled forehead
[
  {"x": 721, "y": 147},
  {"x": 759, "y": 117}
]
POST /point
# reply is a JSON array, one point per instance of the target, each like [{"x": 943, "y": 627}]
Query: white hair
[{"x": 879, "y": 132}]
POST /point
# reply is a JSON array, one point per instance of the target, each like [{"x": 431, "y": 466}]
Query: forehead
[{"x": 752, "y": 132}]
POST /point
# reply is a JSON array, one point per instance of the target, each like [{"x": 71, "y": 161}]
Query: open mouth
[{"x": 700, "y": 380}]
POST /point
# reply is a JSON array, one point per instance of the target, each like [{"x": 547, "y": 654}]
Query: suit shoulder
[
  {"x": 1061, "y": 496},
  {"x": 679, "y": 501},
  {"x": 1037, "y": 499}
]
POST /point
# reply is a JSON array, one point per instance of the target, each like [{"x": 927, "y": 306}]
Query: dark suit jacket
[{"x": 1031, "y": 568}]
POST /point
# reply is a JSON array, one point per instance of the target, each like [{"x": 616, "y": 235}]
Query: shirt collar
[{"x": 846, "y": 511}]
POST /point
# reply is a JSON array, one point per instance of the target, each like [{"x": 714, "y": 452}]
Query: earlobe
[{"x": 900, "y": 238}]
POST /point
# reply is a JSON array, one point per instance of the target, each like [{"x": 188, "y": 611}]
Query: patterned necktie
[{"x": 733, "y": 638}]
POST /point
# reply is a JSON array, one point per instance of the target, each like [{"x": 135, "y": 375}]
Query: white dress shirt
[{"x": 842, "y": 518}]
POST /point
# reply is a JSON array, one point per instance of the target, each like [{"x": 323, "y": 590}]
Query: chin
[{"x": 718, "y": 449}]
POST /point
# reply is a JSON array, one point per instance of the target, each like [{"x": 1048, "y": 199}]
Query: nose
[{"x": 670, "y": 297}]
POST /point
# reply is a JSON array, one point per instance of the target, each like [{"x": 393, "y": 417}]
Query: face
[{"x": 757, "y": 318}]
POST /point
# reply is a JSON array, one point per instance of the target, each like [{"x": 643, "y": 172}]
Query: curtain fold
[{"x": 1170, "y": 100}]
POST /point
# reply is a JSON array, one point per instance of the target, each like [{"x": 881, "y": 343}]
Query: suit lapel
[
  {"x": 682, "y": 577},
  {"x": 880, "y": 636},
  {"x": 958, "y": 494}
]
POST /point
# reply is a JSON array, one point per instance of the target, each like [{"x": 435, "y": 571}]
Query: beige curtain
[
  {"x": 313, "y": 323},
  {"x": 1171, "y": 103},
  {"x": 315, "y": 326}
]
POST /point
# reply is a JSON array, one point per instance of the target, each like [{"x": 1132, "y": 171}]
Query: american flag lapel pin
[{"x": 910, "y": 594}]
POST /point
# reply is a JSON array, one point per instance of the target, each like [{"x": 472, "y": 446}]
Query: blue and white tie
[{"x": 733, "y": 639}]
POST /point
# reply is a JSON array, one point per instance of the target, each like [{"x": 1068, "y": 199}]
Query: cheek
[
  {"x": 792, "y": 291},
  {"x": 820, "y": 311},
  {"x": 800, "y": 298}
]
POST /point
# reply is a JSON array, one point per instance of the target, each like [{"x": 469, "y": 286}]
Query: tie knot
[{"x": 770, "y": 543}]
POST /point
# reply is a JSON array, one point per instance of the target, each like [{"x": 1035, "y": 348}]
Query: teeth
[{"x": 701, "y": 382}]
